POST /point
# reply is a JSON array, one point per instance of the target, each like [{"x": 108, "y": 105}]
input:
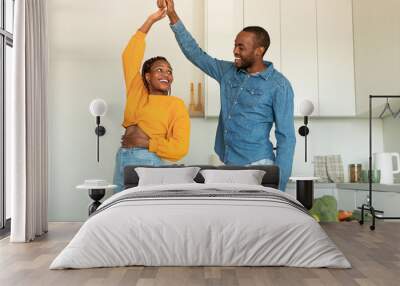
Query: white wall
[
  {"x": 345, "y": 136},
  {"x": 86, "y": 40}
]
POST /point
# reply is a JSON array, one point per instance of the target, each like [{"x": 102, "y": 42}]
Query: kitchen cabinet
[
  {"x": 361, "y": 197},
  {"x": 325, "y": 189},
  {"x": 389, "y": 202},
  {"x": 223, "y": 21},
  {"x": 350, "y": 199},
  {"x": 266, "y": 13},
  {"x": 336, "y": 88},
  {"x": 346, "y": 199},
  {"x": 317, "y": 54},
  {"x": 311, "y": 43},
  {"x": 377, "y": 51},
  {"x": 320, "y": 190},
  {"x": 299, "y": 49}
]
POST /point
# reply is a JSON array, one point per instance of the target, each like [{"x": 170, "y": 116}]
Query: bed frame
[{"x": 270, "y": 179}]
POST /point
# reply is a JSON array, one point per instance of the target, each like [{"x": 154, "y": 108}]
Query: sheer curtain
[{"x": 26, "y": 135}]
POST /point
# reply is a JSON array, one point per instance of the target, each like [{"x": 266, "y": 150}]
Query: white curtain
[{"x": 26, "y": 129}]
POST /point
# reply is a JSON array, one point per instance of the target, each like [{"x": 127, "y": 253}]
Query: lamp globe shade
[
  {"x": 306, "y": 107},
  {"x": 98, "y": 107}
]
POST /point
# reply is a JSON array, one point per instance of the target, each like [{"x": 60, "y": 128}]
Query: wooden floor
[{"x": 375, "y": 257}]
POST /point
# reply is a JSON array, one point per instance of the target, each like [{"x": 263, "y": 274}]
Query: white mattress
[{"x": 202, "y": 231}]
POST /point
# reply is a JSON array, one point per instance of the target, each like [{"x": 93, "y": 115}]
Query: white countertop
[
  {"x": 294, "y": 179},
  {"x": 352, "y": 186},
  {"x": 365, "y": 187},
  {"x": 316, "y": 185}
]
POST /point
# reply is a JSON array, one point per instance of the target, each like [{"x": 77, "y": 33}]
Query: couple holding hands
[{"x": 253, "y": 94}]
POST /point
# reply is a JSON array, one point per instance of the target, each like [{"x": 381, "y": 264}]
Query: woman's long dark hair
[{"x": 147, "y": 67}]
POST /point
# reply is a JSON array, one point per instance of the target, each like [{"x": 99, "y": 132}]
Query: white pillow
[
  {"x": 166, "y": 176},
  {"x": 248, "y": 177}
]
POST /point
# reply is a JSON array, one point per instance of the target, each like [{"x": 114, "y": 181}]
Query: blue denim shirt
[{"x": 250, "y": 104}]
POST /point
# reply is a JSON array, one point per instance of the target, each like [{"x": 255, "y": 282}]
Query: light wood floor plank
[{"x": 375, "y": 257}]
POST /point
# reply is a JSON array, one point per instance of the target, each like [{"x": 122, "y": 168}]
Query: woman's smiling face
[{"x": 160, "y": 77}]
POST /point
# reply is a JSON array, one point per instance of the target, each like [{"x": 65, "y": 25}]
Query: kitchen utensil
[{"x": 355, "y": 173}]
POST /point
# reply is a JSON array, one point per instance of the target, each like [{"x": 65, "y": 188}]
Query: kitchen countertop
[
  {"x": 316, "y": 184},
  {"x": 292, "y": 185},
  {"x": 352, "y": 186},
  {"x": 365, "y": 187}
]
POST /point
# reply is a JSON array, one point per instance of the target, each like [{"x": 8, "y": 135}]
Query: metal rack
[{"x": 369, "y": 206}]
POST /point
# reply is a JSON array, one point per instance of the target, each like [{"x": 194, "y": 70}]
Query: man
[{"x": 253, "y": 96}]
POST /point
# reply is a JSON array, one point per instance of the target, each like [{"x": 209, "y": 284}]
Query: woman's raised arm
[
  {"x": 133, "y": 54},
  {"x": 155, "y": 17}
]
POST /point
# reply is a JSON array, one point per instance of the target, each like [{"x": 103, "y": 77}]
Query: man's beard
[{"x": 245, "y": 64}]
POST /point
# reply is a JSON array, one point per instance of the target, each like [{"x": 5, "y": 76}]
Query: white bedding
[{"x": 183, "y": 231}]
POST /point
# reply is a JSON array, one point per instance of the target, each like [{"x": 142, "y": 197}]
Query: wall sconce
[
  {"x": 98, "y": 108},
  {"x": 306, "y": 108}
]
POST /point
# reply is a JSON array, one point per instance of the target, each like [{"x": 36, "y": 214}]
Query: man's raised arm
[{"x": 188, "y": 45}]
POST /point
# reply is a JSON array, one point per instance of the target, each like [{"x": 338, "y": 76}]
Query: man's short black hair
[{"x": 261, "y": 35}]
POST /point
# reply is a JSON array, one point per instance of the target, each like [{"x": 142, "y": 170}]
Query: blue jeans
[{"x": 132, "y": 156}]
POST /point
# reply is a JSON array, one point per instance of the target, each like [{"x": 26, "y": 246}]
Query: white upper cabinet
[
  {"x": 224, "y": 20},
  {"x": 335, "y": 58},
  {"x": 299, "y": 50},
  {"x": 266, "y": 14},
  {"x": 377, "y": 52},
  {"x": 311, "y": 44}
]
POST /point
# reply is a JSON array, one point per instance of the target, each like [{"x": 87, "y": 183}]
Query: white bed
[{"x": 246, "y": 225}]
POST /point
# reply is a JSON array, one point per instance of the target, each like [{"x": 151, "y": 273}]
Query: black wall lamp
[
  {"x": 306, "y": 108},
  {"x": 98, "y": 108}
]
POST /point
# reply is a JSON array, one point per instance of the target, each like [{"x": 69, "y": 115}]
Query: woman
[{"x": 157, "y": 125}]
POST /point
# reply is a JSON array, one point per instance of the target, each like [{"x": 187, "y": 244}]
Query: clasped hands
[
  {"x": 165, "y": 7},
  {"x": 169, "y": 4}
]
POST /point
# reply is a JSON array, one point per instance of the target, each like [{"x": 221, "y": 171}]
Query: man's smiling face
[{"x": 245, "y": 50}]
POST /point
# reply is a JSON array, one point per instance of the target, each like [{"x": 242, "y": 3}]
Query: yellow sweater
[{"x": 163, "y": 118}]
